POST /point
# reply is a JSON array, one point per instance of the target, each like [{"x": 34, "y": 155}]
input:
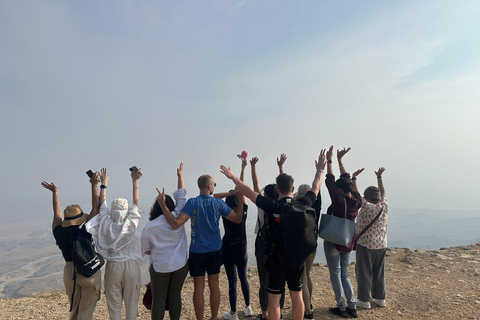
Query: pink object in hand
[{"x": 243, "y": 156}]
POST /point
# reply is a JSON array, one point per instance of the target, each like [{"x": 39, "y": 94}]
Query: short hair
[
  {"x": 156, "y": 210},
  {"x": 204, "y": 181},
  {"x": 372, "y": 193},
  {"x": 232, "y": 200},
  {"x": 284, "y": 183},
  {"x": 344, "y": 183}
]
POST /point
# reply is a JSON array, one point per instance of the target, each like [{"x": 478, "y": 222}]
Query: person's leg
[
  {"x": 297, "y": 305},
  {"x": 346, "y": 284},
  {"x": 295, "y": 285},
  {"x": 333, "y": 261},
  {"x": 175, "y": 292},
  {"x": 379, "y": 288},
  {"x": 242, "y": 261},
  {"x": 231, "y": 271},
  {"x": 198, "y": 298},
  {"x": 68, "y": 272},
  {"x": 132, "y": 283},
  {"x": 159, "y": 285},
  {"x": 89, "y": 295},
  {"x": 274, "y": 306},
  {"x": 364, "y": 275},
  {"x": 114, "y": 289},
  {"x": 261, "y": 261},
  {"x": 307, "y": 283},
  {"x": 214, "y": 286}
]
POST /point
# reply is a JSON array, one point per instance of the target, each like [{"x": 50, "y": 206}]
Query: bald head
[{"x": 205, "y": 181}]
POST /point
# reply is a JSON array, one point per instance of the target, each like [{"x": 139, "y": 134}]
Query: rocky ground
[{"x": 443, "y": 284}]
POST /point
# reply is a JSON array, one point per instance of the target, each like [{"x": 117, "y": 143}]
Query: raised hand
[
  {"x": 356, "y": 173},
  {"x": 180, "y": 170},
  {"x": 380, "y": 171},
  {"x": 329, "y": 154},
  {"x": 281, "y": 161},
  {"x": 161, "y": 196},
  {"x": 103, "y": 176},
  {"x": 253, "y": 161},
  {"x": 244, "y": 164},
  {"x": 95, "y": 179},
  {"x": 341, "y": 153},
  {"x": 49, "y": 186},
  {"x": 227, "y": 172},
  {"x": 137, "y": 175},
  {"x": 322, "y": 161}
]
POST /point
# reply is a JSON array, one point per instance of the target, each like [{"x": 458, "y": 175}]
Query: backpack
[
  {"x": 298, "y": 233},
  {"x": 86, "y": 261}
]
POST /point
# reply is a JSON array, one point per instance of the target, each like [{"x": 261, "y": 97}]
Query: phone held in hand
[
  {"x": 89, "y": 174},
  {"x": 133, "y": 169}
]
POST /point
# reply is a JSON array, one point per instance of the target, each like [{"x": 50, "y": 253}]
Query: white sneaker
[
  {"x": 380, "y": 302},
  {"x": 363, "y": 304},
  {"x": 228, "y": 316},
  {"x": 248, "y": 311}
]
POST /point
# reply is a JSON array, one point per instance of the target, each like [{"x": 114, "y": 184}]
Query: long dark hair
[
  {"x": 345, "y": 184},
  {"x": 270, "y": 191},
  {"x": 156, "y": 211}
]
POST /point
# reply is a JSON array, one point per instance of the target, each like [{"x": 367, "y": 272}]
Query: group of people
[{"x": 114, "y": 231}]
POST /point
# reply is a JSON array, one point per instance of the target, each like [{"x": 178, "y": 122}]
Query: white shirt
[
  {"x": 168, "y": 247},
  {"x": 376, "y": 236},
  {"x": 116, "y": 240}
]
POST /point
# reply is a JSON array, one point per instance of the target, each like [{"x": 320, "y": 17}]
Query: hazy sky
[{"x": 92, "y": 84}]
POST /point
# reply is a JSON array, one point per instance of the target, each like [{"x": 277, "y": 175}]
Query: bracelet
[
  {"x": 379, "y": 177},
  {"x": 329, "y": 161},
  {"x": 320, "y": 170},
  {"x": 354, "y": 178},
  {"x": 103, "y": 186},
  {"x": 54, "y": 193}
]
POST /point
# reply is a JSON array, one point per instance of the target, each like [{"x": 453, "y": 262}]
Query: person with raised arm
[
  {"x": 205, "y": 254},
  {"x": 277, "y": 271},
  {"x": 263, "y": 233},
  {"x": 234, "y": 252},
  {"x": 371, "y": 235},
  {"x": 115, "y": 232},
  {"x": 84, "y": 292},
  {"x": 345, "y": 200},
  {"x": 168, "y": 250}
]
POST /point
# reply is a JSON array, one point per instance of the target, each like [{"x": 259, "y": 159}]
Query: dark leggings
[{"x": 235, "y": 259}]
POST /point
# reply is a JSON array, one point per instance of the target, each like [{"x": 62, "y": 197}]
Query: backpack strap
[
  {"x": 74, "y": 285},
  {"x": 369, "y": 225}
]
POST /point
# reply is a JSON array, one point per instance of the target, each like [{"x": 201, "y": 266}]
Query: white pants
[{"x": 122, "y": 282}]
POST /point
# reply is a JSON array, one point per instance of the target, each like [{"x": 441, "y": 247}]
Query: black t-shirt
[
  {"x": 65, "y": 236},
  {"x": 235, "y": 233}
]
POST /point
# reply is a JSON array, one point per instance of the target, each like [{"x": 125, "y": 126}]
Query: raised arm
[
  {"x": 103, "y": 186},
  {"x": 135, "y": 176},
  {"x": 95, "y": 196},
  {"x": 253, "y": 163},
  {"x": 57, "y": 210},
  {"x": 174, "y": 222},
  {"x": 281, "y": 161},
  {"x": 242, "y": 187},
  {"x": 221, "y": 195},
  {"x": 354, "y": 178},
  {"x": 320, "y": 165},
  {"x": 180, "y": 184},
  {"x": 340, "y": 154},
  {"x": 380, "y": 181},
  {"x": 329, "y": 156}
]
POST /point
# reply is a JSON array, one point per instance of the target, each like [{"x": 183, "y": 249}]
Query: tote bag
[{"x": 337, "y": 230}]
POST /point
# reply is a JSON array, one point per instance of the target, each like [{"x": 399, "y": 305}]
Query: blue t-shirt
[{"x": 204, "y": 212}]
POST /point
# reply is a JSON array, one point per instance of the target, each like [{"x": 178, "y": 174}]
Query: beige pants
[
  {"x": 122, "y": 283},
  {"x": 87, "y": 292}
]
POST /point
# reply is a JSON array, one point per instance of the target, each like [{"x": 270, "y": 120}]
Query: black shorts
[
  {"x": 209, "y": 262},
  {"x": 277, "y": 274}
]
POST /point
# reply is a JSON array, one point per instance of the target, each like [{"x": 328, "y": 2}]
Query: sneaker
[
  {"x": 363, "y": 304},
  {"x": 228, "y": 316},
  {"x": 338, "y": 312},
  {"x": 308, "y": 316},
  {"x": 259, "y": 317},
  {"x": 311, "y": 308},
  {"x": 352, "y": 312},
  {"x": 380, "y": 302},
  {"x": 248, "y": 311}
]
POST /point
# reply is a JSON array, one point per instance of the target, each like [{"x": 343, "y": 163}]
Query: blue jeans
[{"x": 337, "y": 265}]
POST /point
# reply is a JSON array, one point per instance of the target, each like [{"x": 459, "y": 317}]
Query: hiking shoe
[
  {"x": 363, "y": 304},
  {"x": 248, "y": 311},
  {"x": 352, "y": 312},
  {"x": 311, "y": 308},
  {"x": 338, "y": 312},
  {"x": 308, "y": 316},
  {"x": 228, "y": 316},
  {"x": 380, "y": 302},
  {"x": 259, "y": 317}
]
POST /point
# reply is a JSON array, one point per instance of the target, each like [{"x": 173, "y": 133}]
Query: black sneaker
[
  {"x": 259, "y": 317},
  {"x": 352, "y": 312},
  {"x": 308, "y": 316},
  {"x": 311, "y": 308},
  {"x": 338, "y": 312}
]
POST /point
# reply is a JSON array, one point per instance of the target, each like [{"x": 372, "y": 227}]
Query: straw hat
[{"x": 73, "y": 216}]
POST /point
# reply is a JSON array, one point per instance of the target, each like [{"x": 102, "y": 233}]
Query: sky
[{"x": 92, "y": 84}]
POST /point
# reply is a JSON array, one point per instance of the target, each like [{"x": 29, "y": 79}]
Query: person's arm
[
  {"x": 221, "y": 195},
  {"x": 57, "y": 210},
  {"x": 280, "y": 162},
  {"x": 180, "y": 184},
  {"x": 340, "y": 154},
  {"x": 237, "y": 215},
  {"x": 253, "y": 163},
  {"x": 320, "y": 165},
  {"x": 135, "y": 176},
  {"x": 103, "y": 186},
  {"x": 354, "y": 178},
  {"x": 95, "y": 196},
  {"x": 329, "y": 156},
  {"x": 242, "y": 187},
  {"x": 380, "y": 181},
  {"x": 174, "y": 222},
  {"x": 242, "y": 178}
]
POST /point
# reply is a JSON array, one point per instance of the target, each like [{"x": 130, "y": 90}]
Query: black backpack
[
  {"x": 298, "y": 233},
  {"x": 86, "y": 261}
]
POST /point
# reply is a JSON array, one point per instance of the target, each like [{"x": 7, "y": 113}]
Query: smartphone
[
  {"x": 133, "y": 169},
  {"x": 90, "y": 174}
]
